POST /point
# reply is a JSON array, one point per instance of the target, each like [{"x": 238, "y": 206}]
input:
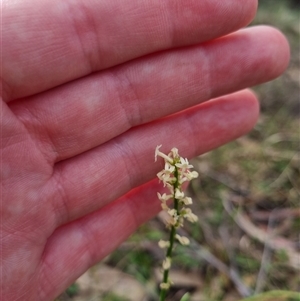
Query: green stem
[{"x": 163, "y": 292}]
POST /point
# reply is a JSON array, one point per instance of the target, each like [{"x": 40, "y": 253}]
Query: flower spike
[{"x": 176, "y": 171}]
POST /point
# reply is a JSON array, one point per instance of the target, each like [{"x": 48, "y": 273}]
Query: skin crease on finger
[
  {"x": 41, "y": 54},
  {"x": 149, "y": 88}
]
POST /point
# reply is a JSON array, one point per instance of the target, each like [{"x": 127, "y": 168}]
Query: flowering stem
[
  {"x": 176, "y": 172},
  {"x": 163, "y": 292}
]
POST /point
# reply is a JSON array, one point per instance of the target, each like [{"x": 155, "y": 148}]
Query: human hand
[{"x": 89, "y": 89}]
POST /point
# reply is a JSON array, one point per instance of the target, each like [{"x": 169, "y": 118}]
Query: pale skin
[{"x": 86, "y": 88}]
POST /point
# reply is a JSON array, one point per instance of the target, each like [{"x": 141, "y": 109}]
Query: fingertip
[
  {"x": 274, "y": 49},
  {"x": 252, "y": 106},
  {"x": 251, "y": 98},
  {"x": 283, "y": 48},
  {"x": 250, "y": 11},
  {"x": 243, "y": 110}
]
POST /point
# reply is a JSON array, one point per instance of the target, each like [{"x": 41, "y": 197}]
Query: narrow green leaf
[
  {"x": 275, "y": 296},
  {"x": 185, "y": 297}
]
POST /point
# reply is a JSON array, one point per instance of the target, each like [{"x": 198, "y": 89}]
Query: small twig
[
  {"x": 275, "y": 243},
  {"x": 225, "y": 237},
  {"x": 224, "y": 234},
  {"x": 266, "y": 257},
  {"x": 283, "y": 213}
]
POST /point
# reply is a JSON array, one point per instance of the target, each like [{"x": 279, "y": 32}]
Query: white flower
[
  {"x": 163, "y": 244},
  {"x": 167, "y": 263},
  {"x": 187, "y": 201},
  {"x": 179, "y": 223},
  {"x": 164, "y": 206},
  {"x": 179, "y": 194},
  {"x": 169, "y": 168},
  {"x": 183, "y": 179},
  {"x": 160, "y": 154},
  {"x": 172, "y": 222},
  {"x": 162, "y": 175},
  {"x": 174, "y": 153},
  {"x": 184, "y": 164},
  {"x": 191, "y": 175},
  {"x": 191, "y": 217},
  {"x": 172, "y": 212},
  {"x": 170, "y": 187},
  {"x": 182, "y": 239},
  {"x": 164, "y": 197},
  {"x": 187, "y": 176},
  {"x": 165, "y": 286},
  {"x": 166, "y": 178}
]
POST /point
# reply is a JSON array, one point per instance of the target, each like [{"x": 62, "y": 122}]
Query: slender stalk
[
  {"x": 163, "y": 292},
  {"x": 169, "y": 252},
  {"x": 176, "y": 172}
]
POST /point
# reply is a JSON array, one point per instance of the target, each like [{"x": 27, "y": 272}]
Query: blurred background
[{"x": 248, "y": 202}]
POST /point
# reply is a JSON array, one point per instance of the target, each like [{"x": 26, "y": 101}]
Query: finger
[
  {"x": 48, "y": 43},
  {"x": 89, "y": 181},
  {"x": 73, "y": 248},
  {"x": 102, "y": 106}
]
